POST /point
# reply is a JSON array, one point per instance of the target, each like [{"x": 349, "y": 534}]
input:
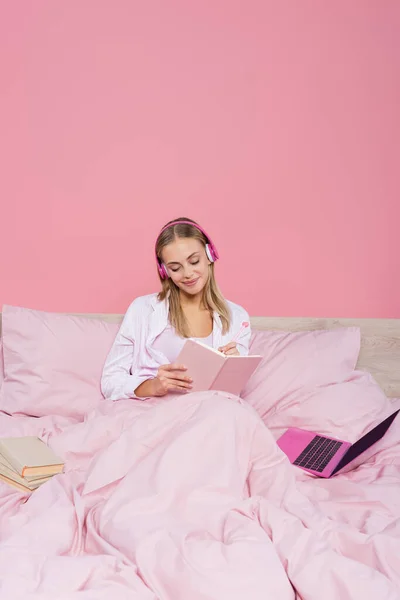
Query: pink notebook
[{"x": 212, "y": 370}]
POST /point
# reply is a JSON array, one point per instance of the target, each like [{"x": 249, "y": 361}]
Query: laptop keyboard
[{"x": 317, "y": 454}]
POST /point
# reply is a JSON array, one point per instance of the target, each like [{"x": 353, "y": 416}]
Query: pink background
[{"x": 275, "y": 124}]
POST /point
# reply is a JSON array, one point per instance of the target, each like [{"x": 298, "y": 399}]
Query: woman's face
[{"x": 187, "y": 264}]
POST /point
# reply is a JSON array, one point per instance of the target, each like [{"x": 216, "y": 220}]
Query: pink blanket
[{"x": 191, "y": 499}]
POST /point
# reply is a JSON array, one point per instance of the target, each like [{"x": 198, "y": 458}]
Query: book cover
[
  {"x": 13, "y": 475},
  {"x": 30, "y": 456},
  {"x": 213, "y": 370},
  {"x": 18, "y": 486},
  {"x": 5, "y": 463}
]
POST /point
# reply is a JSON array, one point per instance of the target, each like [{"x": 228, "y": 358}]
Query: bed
[
  {"x": 380, "y": 341},
  {"x": 141, "y": 513}
]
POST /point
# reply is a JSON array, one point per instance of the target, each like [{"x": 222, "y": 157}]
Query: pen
[{"x": 244, "y": 326}]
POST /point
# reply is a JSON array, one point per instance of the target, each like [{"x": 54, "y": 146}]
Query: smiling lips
[{"x": 192, "y": 282}]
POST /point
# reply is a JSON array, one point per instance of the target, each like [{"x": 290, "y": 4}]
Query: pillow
[
  {"x": 52, "y": 362},
  {"x": 296, "y": 363},
  {"x": 308, "y": 380},
  {"x": 345, "y": 410}
]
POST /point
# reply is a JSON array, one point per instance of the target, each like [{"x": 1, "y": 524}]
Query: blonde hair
[{"x": 213, "y": 299}]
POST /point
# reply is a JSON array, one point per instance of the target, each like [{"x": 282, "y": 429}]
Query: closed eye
[{"x": 196, "y": 262}]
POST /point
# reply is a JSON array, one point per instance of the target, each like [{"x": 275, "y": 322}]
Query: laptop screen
[{"x": 366, "y": 442}]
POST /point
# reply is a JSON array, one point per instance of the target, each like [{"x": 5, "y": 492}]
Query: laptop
[{"x": 326, "y": 456}]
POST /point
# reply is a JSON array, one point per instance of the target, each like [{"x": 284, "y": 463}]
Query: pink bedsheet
[{"x": 191, "y": 499}]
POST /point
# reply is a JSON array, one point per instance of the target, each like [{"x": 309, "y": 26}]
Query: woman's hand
[
  {"x": 230, "y": 349},
  {"x": 170, "y": 379}
]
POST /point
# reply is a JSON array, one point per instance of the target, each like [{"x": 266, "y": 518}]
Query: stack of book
[{"x": 27, "y": 462}]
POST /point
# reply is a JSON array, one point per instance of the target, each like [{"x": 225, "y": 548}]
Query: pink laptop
[{"x": 325, "y": 456}]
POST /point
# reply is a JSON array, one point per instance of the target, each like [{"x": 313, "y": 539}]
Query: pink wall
[{"x": 275, "y": 124}]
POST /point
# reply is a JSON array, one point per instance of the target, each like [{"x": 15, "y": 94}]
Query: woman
[{"x": 142, "y": 360}]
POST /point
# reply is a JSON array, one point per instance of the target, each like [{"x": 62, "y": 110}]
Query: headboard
[{"x": 380, "y": 341}]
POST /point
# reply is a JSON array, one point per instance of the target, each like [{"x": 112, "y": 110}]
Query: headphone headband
[{"x": 211, "y": 251}]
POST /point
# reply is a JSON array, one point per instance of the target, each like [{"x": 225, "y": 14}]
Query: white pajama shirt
[{"x": 134, "y": 356}]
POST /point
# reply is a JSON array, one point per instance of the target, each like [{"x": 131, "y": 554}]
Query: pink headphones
[{"x": 211, "y": 251}]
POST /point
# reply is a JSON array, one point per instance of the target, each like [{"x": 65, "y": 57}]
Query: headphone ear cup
[
  {"x": 210, "y": 254},
  {"x": 164, "y": 271}
]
